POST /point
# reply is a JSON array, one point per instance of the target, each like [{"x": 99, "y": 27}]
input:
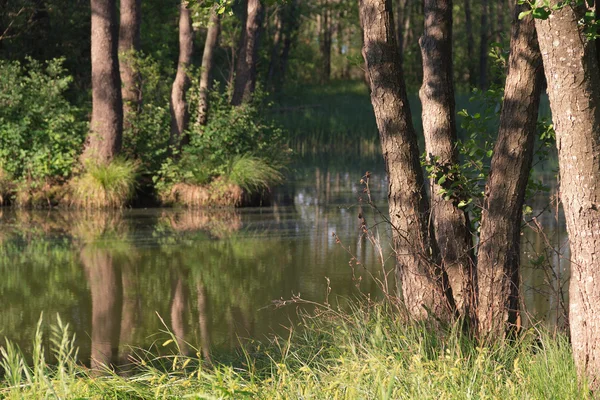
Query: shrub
[
  {"x": 41, "y": 134},
  {"x": 105, "y": 185}
]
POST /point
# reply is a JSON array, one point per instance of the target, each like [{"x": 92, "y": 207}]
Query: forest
[{"x": 176, "y": 168}]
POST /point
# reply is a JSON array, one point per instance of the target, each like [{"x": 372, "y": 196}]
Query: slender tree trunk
[
  {"x": 470, "y": 44},
  {"x": 103, "y": 282},
  {"x": 106, "y": 127},
  {"x": 291, "y": 26},
  {"x": 499, "y": 245},
  {"x": 179, "y": 303},
  {"x": 402, "y": 18},
  {"x": 179, "y": 108},
  {"x": 129, "y": 45},
  {"x": 276, "y": 49},
  {"x": 483, "y": 45},
  {"x": 245, "y": 77},
  {"x": 424, "y": 285},
  {"x": 450, "y": 223},
  {"x": 212, "y": 40},
  {"x": 130, "y": 312},
  {"x": 573, "y": 76},
  {"x": 203, "y": 321},
  {"x": 325, "y": 42}
]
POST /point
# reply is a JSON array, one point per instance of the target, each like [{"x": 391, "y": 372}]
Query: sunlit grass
[
  {"x": 254, "y": 174},
  {"x": 105, "y": 185},
  {"x": 369, "y": 352}
]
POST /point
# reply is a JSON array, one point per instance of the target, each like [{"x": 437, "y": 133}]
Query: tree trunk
[
  {"x": 179, "y": 108},
  {"x": 106, "y": 127},
  {"x": 129, "y": 46},
  {"x": 451, "y": 224},
  {"x": 130, "y": 313},
  {"x": 103, "y": 283},
  {"x": 245, "y": 77},
  {"x": 402, "y": 19},
  {"x": 424, "y": 285},
  {"x": 212, "y": 39},
  {"x": 203, "y": 321},
  {"x": 276, "y": 49},
  {"x": 483, "y": 44},
  {"x": 291, "y": 26},
  {"x": 325, "y": 42},
  {"x": 499, "y": 245},
  {"x": 470, "y": 44},
  {"x": 573, "y": 76}
]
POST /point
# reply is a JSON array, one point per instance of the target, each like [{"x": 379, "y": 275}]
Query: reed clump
[{"x": 109, "y": 185}]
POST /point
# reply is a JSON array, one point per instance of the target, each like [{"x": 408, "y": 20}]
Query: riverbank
[{"x": 368, "y": 352}]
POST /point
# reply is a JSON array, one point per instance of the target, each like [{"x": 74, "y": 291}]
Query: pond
[{"x": 213, "y": 277}]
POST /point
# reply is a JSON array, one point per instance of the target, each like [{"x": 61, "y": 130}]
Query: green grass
[
  {"x": 367, "y": 353},
  {"x": 253, "y": 174},
  {"x": 105, "y": 185}
]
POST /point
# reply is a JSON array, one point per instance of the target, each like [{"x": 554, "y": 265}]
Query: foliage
[
  {"x": 105, "y": 185},
  {"x": 41, "y": 133},
  {"x": 366, "y": 353},
  {"x": 230, "y": 146}
]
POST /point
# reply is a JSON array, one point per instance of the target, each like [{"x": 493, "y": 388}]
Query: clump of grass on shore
[
  {"x": 109, "y": 185},
  {"x": 254, "y": 174},
  {"x": 369, "y": 352}
]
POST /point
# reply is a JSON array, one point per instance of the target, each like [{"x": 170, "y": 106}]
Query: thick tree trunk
[
  {"x": 245, "y": 77},
  {"x": 470, "y": 44},
  {"x": 129, "y": 45},
  {"x": 424, "y": 285},
  {"x": 573, "y": 76},
  {"x": 106, "y": 127},
  {"x": 103, "y": 282},
  {"x": 179, "y": 107},
  {"x": 451, "y": 224},
  {"x": 483, "y": 44},
  {"x": 212, "y": 40},
  {"x": 499, "y": 249}
]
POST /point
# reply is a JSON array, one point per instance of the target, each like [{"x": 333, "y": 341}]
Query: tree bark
[
  {"x": 402, "y": 19},
  {"x": 325, "y": 42},
  {"x": 180, "y": 116},
  {"x": 483, "y": 45},
  {"x": 573, "y": 77},
  {"x": 106, "y": 127},
  {"x": 129, "y": 46},
  {"x": 245, "y": 77},
  {"x": 498, "y": 257},
  {"x": 451, "y": 224},
  {"x": 212, "y": 40},
  {"x": 424, "y": 285}
]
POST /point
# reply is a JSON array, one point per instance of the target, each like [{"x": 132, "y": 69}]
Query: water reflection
[{"x": 209, "y": 274}]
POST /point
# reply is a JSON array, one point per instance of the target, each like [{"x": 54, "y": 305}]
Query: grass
[
  {"x": 105, "y": 185},
  {"x": 6, "y": 187},
  {"x": 253, "y": 174},
  {"x": 368, "y": 352}
]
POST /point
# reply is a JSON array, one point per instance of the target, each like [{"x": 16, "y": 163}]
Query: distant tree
[
  {"x": 573, "y": 77},
  {"x": 179, "y": 107},
  {"x": 129, "y": 46},
  {"x": 245, "y": 77},
  {"x": 483, "y": 44},
  {"x": 106, "y": 127},
  {"x": 212, "y": 40}
]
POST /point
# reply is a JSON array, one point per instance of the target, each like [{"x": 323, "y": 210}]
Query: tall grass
[
  {"x": 369, "y": 352},
  {"x": 254, "y": 174},
  {"x": 105, "y": 185}
]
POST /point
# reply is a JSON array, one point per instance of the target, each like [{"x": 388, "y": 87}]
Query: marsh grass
[
  {"x": 365, "y": 353},
  {"x": 254, "y": 174},
  {"x": 105, "y": 185}
]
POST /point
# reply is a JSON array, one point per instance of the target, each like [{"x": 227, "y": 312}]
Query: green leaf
[
  {"x": 523, "y": 14},
  {"x": 541, "y": 13}
]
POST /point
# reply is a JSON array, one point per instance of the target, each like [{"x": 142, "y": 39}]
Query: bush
[
  {"x": 41, "y": 133},
  {"x": 105, "y": 185}
]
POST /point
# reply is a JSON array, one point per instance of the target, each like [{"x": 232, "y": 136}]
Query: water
[{"x": 121, "y": 279}]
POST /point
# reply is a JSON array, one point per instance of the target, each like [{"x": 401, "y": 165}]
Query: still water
[{"x": 121, "y": 279}]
